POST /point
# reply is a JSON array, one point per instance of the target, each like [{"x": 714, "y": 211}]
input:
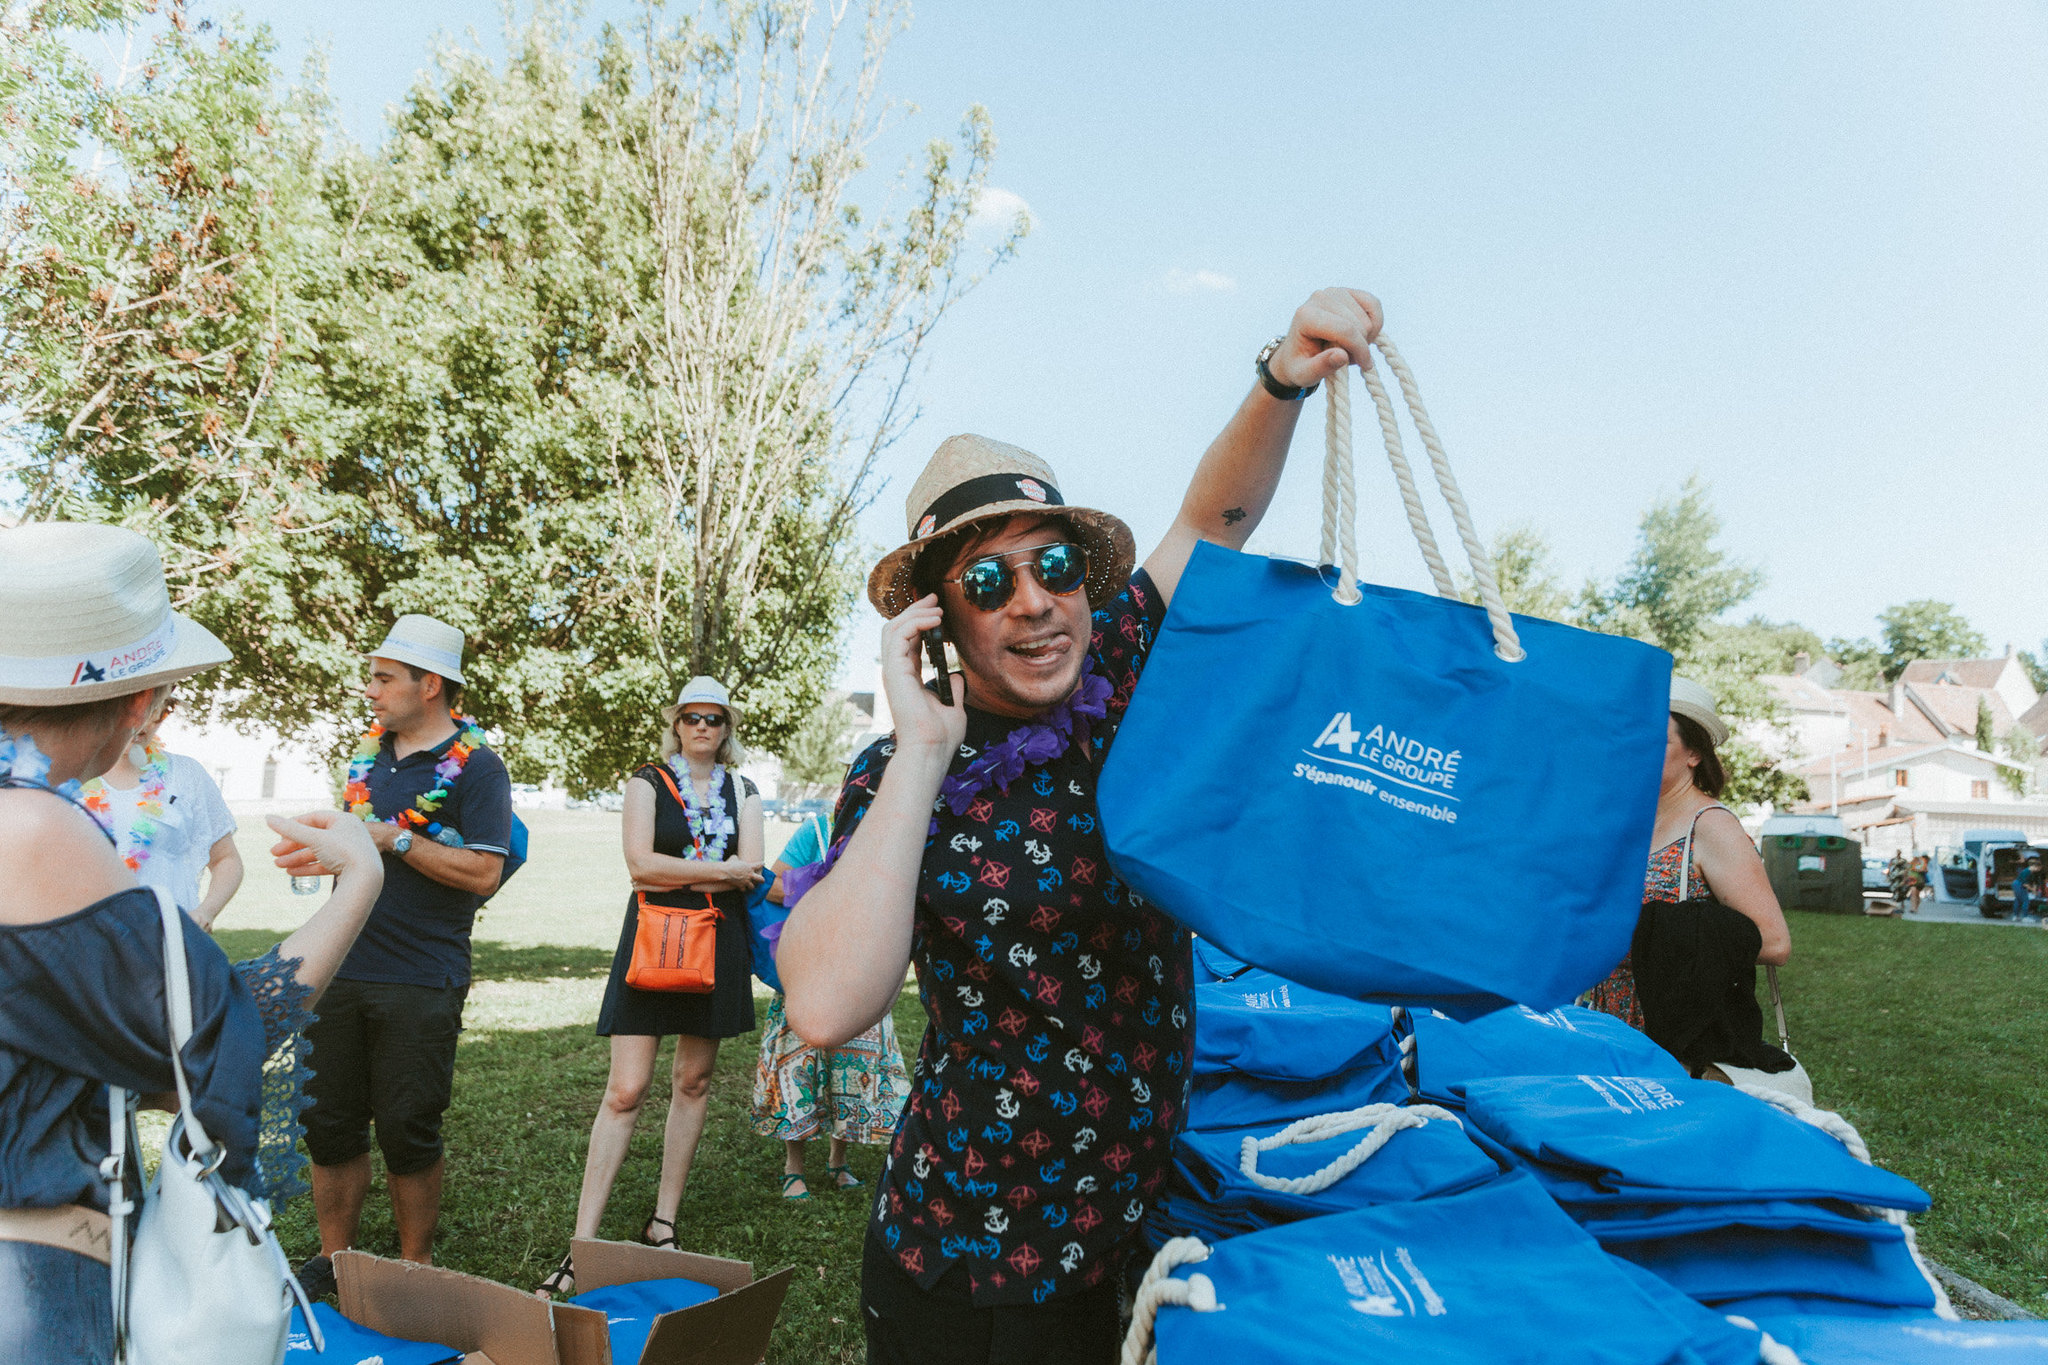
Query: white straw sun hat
[
  {"x": 84, "y": 616},
  {"x": 705, "y": 689},
  {"x": 425, "y": 643},
  {"x": 1697, "y": 704}
]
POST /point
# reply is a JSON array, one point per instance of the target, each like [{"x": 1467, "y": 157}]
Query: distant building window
[
  {"x": 1901, "y": 778},
  {"x": 270, "y": 779},
  {"x": 1980, "y": 789}
]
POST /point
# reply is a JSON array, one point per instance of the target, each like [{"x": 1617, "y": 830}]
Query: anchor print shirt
[{"x": 1053, "y": 1073}]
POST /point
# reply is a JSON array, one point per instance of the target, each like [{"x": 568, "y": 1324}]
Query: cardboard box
[{"x": 499, "y": 1325}]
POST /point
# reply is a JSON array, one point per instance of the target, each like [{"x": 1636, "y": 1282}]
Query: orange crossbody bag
[{"x": 675, "y": 947}]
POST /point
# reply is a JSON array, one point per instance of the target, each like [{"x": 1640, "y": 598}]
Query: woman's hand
[
  {"x": 923, "y": 722},
  {"x": 324, "y": 843}
]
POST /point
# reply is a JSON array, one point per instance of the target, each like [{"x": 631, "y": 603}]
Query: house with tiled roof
[{"x": 1903, "y": 766}]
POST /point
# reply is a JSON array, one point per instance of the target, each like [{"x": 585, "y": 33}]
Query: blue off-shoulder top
[{"x": 82, "y": 1007}]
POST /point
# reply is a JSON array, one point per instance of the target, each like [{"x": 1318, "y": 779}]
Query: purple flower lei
[{"x": 1033, "y": 742}]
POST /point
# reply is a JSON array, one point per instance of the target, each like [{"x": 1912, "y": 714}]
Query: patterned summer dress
[{"x": 1617, "y": 994}]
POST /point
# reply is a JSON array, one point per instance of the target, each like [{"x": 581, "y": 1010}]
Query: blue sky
[{"x": 1796, "y": 248}]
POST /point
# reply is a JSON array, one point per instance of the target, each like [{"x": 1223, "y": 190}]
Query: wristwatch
[
  {"x": 1286, "y": 393},
  {"x": 402, "y": 845}
]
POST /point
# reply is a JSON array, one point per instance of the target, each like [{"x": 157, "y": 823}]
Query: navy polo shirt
[{"x": 418, "y": 931}]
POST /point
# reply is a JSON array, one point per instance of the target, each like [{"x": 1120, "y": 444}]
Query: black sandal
[
  {"x": 669, "y": 1242},
  {"x": 561, "y": 1281}
]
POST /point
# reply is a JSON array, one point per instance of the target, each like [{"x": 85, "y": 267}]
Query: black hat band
[{"x": 984, "y": 491}]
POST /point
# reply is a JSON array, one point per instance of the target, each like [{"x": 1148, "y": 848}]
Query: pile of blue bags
[{"x": 1361, "y": 1179}]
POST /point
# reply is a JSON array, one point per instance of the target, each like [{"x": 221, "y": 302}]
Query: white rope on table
[
  {"x": 1844, "y": 1132},
  {"x": 1340, "y": 496},
  {"x": 1159, "y": 1288},
  {"x": 1769, "y": 1351},
  {"x": 1384, "y": 1120}
]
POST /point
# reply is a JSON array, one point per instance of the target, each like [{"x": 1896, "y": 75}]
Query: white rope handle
[
  {"x": 1384, "y": 1120},
  {"x": 1844, "y": 1132},
  {"x": 1159, "y": 1289},
  {"x": 1340, "y": 497},
  {"x": 1769, "y": 1351}
]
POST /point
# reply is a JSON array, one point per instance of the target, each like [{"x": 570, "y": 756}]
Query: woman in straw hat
[
  {"x": 1699, "y": 848},
  {"x": 91, "y": 641},
  {"x": 692, "y": 828}
]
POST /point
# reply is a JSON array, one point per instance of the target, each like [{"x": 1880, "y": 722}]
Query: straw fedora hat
[
  {"x": 971, "y": 479},
  {"x": 1697, "y": 704},
  {"x": 86, "y": 617},
  {"x": 425, "y": 643}
]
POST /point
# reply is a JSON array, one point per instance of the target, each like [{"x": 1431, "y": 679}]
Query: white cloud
[
  {"x": 996, "y": 210},
  {"x": 1180, "y": 281}
]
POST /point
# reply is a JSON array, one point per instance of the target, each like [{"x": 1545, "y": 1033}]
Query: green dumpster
[{"x": 1812, "y": 863}]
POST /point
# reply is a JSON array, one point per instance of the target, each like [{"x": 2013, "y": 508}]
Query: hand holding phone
[{"x": 935, "y": 650}]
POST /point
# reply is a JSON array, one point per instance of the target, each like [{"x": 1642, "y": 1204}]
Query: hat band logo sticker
[
  {"x": 925, "y": 527},
  {"x": 1032, "y": 489}
]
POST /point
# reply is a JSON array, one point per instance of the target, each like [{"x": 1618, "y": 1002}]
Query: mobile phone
[{"x": 935, "y": 650}]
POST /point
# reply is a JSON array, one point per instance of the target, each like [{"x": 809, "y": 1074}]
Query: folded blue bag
[
  {"x": 1770, "y": 1309},
  {"x": 1495, "y": 1274},
  {"x": 1233, "y": 1101},
  {"x": 1641, "y": 1139},
  {"x": 1741, "y": 1263},
  {"x": 1519, "y": 1041},
  {"x": 1862, "y": 1341},
  {"x": 764, "y": 930},
  {"x": 1266, "y": 1026},
  {"x": 1612, "y": 1223},
  {"x": 1714, "y": 1339},
  {"x": 1427, "y": 1161},
  {"x": 349, "y": 1343},
  {"x": 630, "y": 1309},
  {"x": 1213, "y": 964}
]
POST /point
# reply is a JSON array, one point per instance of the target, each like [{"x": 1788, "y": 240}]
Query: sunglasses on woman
[
  {"x": 696, "y": 718},
  {"x": 988, "y": 584}
]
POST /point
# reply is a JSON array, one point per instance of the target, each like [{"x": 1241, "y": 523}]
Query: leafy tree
[
  {"x": 2036, "y": 666},
  {"x": 2024, "y": 749},
  {"x": 1986, "y": 724},
  {"x": 1678, "y": 581},
  {"x": 814, "y": 757},
  {"x": 1521, "y": 567},
  {"x": 1926, "y": 629},
  {"x": 1862, "y": 664}
]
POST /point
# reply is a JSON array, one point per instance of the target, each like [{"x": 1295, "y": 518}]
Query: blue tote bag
[
  {"x": 1523, "y": 1042},
  {"x": 1279, "y": 1030},
  {"x": 1474, "y": 791}
]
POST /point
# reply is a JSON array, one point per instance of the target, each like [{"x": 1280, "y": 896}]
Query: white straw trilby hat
[
  {"x": 84, "y": 616},
  {"x": 1697, "y": 704},
  {"x": 425, "y": 643},
  {"x": 971, "y": 479}
]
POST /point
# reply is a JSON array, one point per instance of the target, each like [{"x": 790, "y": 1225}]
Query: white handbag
[{"x": 205, "y": 1282}]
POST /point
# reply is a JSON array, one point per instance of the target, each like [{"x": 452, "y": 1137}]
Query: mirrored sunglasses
[{"x": 988, "y": 584}]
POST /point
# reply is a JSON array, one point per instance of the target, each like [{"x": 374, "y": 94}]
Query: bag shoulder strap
[
  {"x": 1685, "y": 863},
  {"x": 178, "y": 999}
]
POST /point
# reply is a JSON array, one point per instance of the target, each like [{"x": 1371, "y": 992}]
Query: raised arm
[
  {"x": 1234, "y": 483},
  {"x": 339, "y": 845},
  {"x": 846, "y": 945}
]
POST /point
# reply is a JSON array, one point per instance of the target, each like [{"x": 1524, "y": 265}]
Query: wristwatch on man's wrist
[
  {"x": 1286, "y": 393},
  {"x": 402, "y": 845}
]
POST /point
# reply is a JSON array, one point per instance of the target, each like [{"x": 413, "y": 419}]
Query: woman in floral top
[{"x": 1724, "y": 864}]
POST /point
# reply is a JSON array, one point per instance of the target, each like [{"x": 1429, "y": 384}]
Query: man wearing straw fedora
[
  {"x": 1054, "y": 1072},
  {"x": 439, "y": 806}
]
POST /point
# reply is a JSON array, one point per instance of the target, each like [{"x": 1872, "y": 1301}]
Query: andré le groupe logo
[{"x": 1398, "y": 763}]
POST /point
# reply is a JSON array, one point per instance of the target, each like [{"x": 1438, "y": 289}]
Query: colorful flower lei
[
  {"x": 469, "y": 737},
  {"x": 149, "y": 806},
  {"x": 22, "y": 763},
  {"x": 710, "y": 826}
]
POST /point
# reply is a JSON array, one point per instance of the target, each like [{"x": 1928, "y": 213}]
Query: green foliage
[
  {"x": 583, "y": 359},
  {"x": 2036, "y": 666},
  {"x": 814, "y": 758},
  {"x": 1926, "y": 629},
  {"x": 1521, "y": 567},
  {"x": 2023, "y": 748},
  {"x": 1862, "y": 664},
  {"x": 1677, "y": 582},
  {"x": 1986, "y": 726}
]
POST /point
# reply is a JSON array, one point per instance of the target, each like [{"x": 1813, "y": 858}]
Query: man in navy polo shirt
[{"x": 440, "y": 809}]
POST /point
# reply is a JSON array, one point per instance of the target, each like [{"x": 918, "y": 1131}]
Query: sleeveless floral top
[{"x": 1661, "y": 882}]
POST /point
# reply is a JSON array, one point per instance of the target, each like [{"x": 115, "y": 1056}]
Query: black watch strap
[{"x": 1286, "y": 393}]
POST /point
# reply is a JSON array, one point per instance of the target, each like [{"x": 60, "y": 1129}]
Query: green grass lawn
[{"x": 1930, "y": 1038}]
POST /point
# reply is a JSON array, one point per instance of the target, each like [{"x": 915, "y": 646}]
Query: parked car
[{"x": 1875, "y": 878}]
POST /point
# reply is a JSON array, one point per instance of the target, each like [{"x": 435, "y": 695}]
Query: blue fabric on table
[
  {"x": 1388, "y": 729},
  {"x": 1713, "y": 1339},
  {"x": 630, "y": 1309},
  {"x": 350, "y": 1343},
  {"x": 1741, "y": 1263},
  {"x": 1415, "y": 1163},
  {"x": 1233, "y": 1101},
  {"x": 1495, "y": 1274},
  {"x": 1780, "y": 1306},
  {"x": 1213, "y": 964},
  {"x": 1635, "y": 1139},
  {"x": 1519, "y": 1041},
  {"x": 1615, "y": 1223},
  {"x": 1836, "y": 1340},
  {"x": 1266, "y": 1026}
]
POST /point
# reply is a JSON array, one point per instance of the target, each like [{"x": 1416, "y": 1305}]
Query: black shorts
[
  {"x": 907, "y": 1325},
  {"x": 382, "y": 1053}
]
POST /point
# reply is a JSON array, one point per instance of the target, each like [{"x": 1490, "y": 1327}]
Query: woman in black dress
[{"x": 712, "y": 845}]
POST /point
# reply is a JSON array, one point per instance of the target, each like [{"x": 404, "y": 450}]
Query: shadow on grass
[{"x": 516, "y": 1135}]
